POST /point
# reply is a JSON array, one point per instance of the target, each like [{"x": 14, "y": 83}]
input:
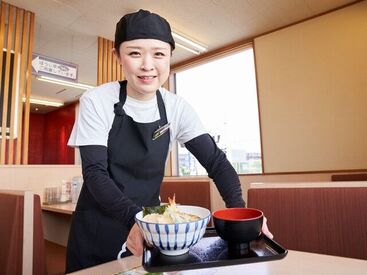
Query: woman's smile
[
  {"x": 146, "y": 66},
  {"x": 146, "y": 78}
]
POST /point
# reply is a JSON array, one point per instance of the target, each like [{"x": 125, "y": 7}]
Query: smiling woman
[
  {"x": 145, "y": 63},
  {"x": 124, "y": 130}
]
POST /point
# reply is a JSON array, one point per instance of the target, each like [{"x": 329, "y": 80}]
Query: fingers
[
  {"x": 265, "y": 229},
  {"x": 268, "y": 234},
  {"x": 135, "y": 241},
  {"x": 134, "y": 248}
]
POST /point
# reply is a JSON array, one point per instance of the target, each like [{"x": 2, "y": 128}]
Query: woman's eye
[
  {"x": 134, "y": 54},
  {"x": 160, "y": 54}
]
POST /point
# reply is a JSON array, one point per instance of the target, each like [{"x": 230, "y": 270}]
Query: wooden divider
[
  {"x": 108, "y": 69},
  {"x": 4, "y": 94},
  {"x": 104, "y": 63},
  {"x": 16, "y": 40},
  {"x": 28, "y": 92},
  {"x": 14, "y": 83},
  {"x": 21, "y": 89},
  {"x": 99, "y": 60},
  {"x": 21, "y": 233},
  {"x": 326, "y": 220},
  {"x": 179, "y": 187},
  {"x": 2, "y": 24}
]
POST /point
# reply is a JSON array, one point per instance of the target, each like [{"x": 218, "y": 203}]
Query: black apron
[{"x": 136, "y": 164}]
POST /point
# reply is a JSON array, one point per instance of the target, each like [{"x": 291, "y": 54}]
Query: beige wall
[
  {"x": 312, "y": 87},
  {"x": 35, "y": 177}
]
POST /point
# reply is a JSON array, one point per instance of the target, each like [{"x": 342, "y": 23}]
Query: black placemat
[{"x": 212, "y": 251}]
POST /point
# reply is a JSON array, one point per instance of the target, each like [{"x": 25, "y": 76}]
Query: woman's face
[{"x": 146, "y": 65}]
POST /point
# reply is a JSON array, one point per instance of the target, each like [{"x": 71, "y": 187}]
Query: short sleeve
[
  {"x": 90, "y": 127},
  {"x": 190, "y": 125}
]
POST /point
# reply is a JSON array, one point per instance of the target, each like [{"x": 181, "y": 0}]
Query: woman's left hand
[{"x": 265, "y": 229}]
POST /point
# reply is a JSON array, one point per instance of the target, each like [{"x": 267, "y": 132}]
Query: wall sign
[{"x": 51, "y": 67}]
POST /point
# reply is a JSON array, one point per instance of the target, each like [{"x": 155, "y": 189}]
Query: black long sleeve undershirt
[
  {"x": 117, "y": 205},
  {"x": 219, "y": 169},
  {"x": 102, "y": 188}
]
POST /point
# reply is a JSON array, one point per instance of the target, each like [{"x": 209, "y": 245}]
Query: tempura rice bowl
[{"x": 175, "y": 238}]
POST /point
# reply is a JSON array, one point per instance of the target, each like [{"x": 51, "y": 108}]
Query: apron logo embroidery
[{"x": 160, "y": 131}]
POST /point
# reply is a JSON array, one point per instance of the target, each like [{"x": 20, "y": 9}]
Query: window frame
[{"x": 172, "y": 160}]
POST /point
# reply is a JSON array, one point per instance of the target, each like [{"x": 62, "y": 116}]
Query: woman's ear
[{"x": 117, "y": 55}]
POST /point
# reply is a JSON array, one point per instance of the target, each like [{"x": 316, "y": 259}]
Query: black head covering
[{"x": 143, "y": 25}]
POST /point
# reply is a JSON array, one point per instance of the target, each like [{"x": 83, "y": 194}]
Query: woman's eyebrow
[
  {"x": 160, "y": 48},
  {"x": 154, "y": 48},
  {"x": 133, "y": 47}
]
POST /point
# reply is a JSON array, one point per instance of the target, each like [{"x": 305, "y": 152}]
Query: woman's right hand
[
  {"x": 135, "y": 241},
  {"x": 265, "y": 229}
]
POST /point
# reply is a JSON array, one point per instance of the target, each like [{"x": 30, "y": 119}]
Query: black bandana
[{"x": 143, "y": 25}]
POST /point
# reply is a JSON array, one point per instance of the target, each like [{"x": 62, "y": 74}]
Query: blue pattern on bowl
[
  {"x": 175, "y": 239},
  {"x": 176, "y": 231}
]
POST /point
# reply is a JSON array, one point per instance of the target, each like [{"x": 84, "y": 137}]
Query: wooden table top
[
  {"x": 295, "y": 263},
  {"x": 64, "y": 208}
]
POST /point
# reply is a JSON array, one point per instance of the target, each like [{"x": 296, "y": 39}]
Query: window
[{"x": 223, "y": 93}]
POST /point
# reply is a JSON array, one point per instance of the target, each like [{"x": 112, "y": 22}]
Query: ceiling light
[
  {"x": 187, "y": 44},
  {"x": 187, "y": 48},
  {"x": 65, "y": 83},
  {"x": 44, "y": 102}
]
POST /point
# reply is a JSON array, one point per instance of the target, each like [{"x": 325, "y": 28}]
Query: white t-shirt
[{"x": 96, "y": 115}]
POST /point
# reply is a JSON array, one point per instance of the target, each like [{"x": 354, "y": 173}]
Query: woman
[{"x": 124, "y": 130}]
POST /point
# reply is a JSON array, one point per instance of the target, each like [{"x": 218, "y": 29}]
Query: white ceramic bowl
[{"x": 175, "y": 238}]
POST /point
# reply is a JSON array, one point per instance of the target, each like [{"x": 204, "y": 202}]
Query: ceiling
[{"x": 68, "y": 29}]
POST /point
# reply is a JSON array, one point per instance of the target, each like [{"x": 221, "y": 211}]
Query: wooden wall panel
[
  {"x": 100, "y": 60},
  {"x": 201, "y": 196},
  {"x": 109, "y": 61},
  {"x": 2, "y": 38},
  {"x": 13, "y": 89},
  {"x": 325, "y": 220},
  {"x": 108, "y": 69},
  {"x": 28, "y": 92},
  {"x": 21, "y": 93},
  {"x": 2, "y": 24},
  {"x": 104, "y": 62},
  {"x": 16, "y": 39},
  {"x": 6, "y": 80}
]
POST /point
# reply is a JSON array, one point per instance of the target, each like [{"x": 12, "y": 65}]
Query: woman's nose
[{"x": 147, "y": 64}]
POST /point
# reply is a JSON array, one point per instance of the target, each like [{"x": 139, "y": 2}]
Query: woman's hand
[
  {"x": 265, "y": 229},
  {"x": 135, "y": 241}
]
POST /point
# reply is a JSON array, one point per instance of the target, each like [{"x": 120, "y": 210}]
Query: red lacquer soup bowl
[{"x": 238, "y": 225}]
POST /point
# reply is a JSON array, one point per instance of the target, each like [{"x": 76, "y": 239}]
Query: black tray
[{"x": 212, "y": 251}]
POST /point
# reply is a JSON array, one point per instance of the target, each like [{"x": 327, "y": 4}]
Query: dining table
[{"x": 295, "y": 263}]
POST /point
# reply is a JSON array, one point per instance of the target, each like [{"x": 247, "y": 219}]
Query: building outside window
[{"x": 223, "y": 93}]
